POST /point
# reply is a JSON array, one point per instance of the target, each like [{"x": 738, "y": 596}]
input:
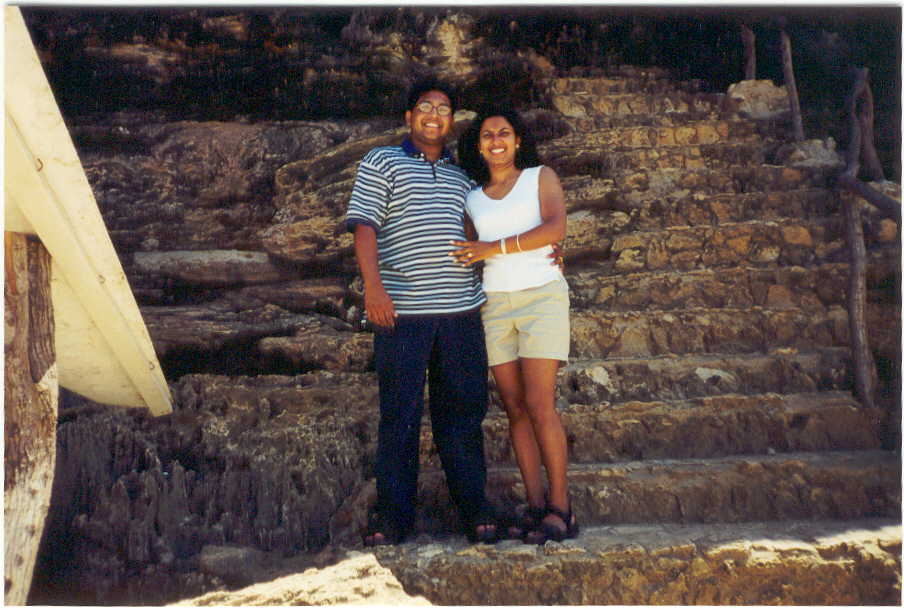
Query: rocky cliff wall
[
  {"x": 221, "y": 146},
  {"x": 226, "y": 64}
]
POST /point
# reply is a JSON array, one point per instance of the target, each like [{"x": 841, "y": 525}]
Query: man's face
[{"x": 430, "y": 128}]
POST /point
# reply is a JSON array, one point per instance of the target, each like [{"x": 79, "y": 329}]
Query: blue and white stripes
[{"x": 416, "y": 208}]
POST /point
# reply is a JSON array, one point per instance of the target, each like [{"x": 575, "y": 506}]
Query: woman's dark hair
[
  {"x": 430, "y": 83},
  {"x": 469, "y": 157}
]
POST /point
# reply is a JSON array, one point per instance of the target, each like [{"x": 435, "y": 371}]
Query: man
[{"x": 406, "y": 206}]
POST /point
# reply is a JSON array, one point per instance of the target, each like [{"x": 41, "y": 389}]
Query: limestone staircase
[{"x": 717, "y": 455}]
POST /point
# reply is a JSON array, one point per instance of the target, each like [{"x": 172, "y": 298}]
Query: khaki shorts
[{"x": 531, "y": 323}]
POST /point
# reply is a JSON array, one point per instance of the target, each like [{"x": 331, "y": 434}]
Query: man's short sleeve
[{"x": 371, "y": 193}]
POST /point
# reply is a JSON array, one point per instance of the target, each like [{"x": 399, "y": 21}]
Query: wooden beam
[{"x": 45, "y": 181}]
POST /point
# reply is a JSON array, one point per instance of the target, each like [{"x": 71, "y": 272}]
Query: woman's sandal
[
  {"x": 519, "y": 526},
  {"x": 545, "y": 531}
]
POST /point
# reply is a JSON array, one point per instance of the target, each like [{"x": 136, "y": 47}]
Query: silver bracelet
[
  {"x": 502, "y": 241},
  {"x": 518, "y": 242}
]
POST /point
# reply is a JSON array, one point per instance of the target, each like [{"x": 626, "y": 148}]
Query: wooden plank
[{"x": 107, "y": 346}]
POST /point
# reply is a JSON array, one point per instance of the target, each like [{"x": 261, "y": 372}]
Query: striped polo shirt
[{"x": 416, "y": 208}]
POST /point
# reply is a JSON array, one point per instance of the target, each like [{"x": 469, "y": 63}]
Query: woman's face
[{"x": 497, "y": 142}]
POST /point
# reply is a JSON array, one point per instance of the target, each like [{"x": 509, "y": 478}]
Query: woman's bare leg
[
  {"x": 538, "y": 377},
  {"x": 510, "y": 384}
]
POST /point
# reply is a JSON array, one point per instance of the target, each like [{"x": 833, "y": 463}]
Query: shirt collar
[{"x": 412, "y": 151}]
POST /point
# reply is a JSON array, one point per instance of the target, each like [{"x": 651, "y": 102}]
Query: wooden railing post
[
  {"x": 864, "y": 365},
  {"x": 868, "y": 145},
  {"x": 749, "y": 39},
  {"x": 791, "y": 86},
  {"x": 30, "y": 397},
  {"x": 861, "y": 140},
  {"x": 852, "y": 154}
]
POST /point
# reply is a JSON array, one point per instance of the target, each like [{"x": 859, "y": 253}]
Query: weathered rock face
[
  {"x": 302, "y": 63},
  {"x": 704, "y": 254},
  {"x": 196, "y": 186},
  {"x": 262, "y": 463}
]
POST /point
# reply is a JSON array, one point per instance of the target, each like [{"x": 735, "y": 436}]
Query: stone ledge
[
  {"x": 729, "y": 489},
  {"x": 786, "y": 562},
  {"x": 648, "y": 183},
  {"x": 598, "y": 132},
  {"x": 601, "y": 335},
  {"x": 590, "y": 382},
  {"x": 619, "y": 104},
  {"x": 815, "y": 285}
]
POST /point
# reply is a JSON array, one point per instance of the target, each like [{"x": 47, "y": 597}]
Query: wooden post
[
  {"x": 889, "y": 208},
  {"x": 788, "y": 68},
  {"x": 749, "y": 39},
  {"x": 30, "y": 398},
  {"x": 852, "y": 154},
  {"x": 864, "y": 365},
  {"x": 868, "y": 137},
  {"x": 861, "y": 141}
]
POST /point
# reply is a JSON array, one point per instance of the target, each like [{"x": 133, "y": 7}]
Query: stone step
[
  {"x": 599, "y": 334},
  {"x": 595, "y": 287},
  {"x": 708, "y": 209},
  {"x": 648, "y": 184},
  {"x": 575, "y": 158},
  {"x": 665, "y": 133},
  {"x": 716, "y": 426},
  {"x": 626, "y": 79},
  {"x": 597, "y": 234},
  {"x": 797, "y": 562},
  {"x": 622, "y": 104},
  {"x": 790, "y": 241},
  {"x": 797, "y": 242},
  {"x": 697, "y": 208},
  {"x": 730, "y": 489},
  {"x": 711, "y": 209},
  {"x": 705, "y": 427},
  {"x": 700, "y": 376},
  {"x": 669, "y": 119}
]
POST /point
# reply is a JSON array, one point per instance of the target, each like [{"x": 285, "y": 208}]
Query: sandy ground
[{"x": 357, "y": 580}]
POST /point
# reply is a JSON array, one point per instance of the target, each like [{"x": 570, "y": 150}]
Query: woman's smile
[{"x": 498, "y": 141}]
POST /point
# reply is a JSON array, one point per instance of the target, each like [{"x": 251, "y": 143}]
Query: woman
[{"x": 518, "y": 213}]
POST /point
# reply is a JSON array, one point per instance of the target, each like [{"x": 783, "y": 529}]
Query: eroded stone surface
[
  {"x": 759, "y": 98},
  {"x": 740, "y": 564},
  {"x": 357, "y": 580},
  {"x": 259, "y": 462}
]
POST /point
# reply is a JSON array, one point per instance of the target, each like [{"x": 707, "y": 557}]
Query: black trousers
[{"x": 450, "y": 352}]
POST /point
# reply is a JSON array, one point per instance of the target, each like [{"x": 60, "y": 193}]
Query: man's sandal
[
  {"x": 488, "y": 519},
  {"x": 378, "y": 531},
  {"x": 546, "y": 531}
]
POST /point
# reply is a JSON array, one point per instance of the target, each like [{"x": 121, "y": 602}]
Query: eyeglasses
[{"x": 441, "y": 110}]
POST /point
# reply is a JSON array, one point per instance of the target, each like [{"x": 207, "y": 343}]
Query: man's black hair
[{"x": 430, "y": 83}]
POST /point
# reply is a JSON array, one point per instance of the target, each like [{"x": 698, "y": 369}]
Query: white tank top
[{"x": 517, "y": 212}]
